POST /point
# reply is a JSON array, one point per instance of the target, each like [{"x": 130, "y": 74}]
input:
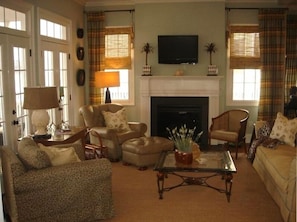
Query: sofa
[
  {"x": 40, "y": 187},
  {"x": 275, "y": 162},
  {"x": 109, "y": 121}
]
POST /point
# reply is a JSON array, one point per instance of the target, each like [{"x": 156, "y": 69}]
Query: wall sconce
[
  {"x": 39, "y": 99},
  {"x": 105, "y": 80}
]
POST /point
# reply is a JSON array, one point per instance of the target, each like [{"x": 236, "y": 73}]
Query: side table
[{"x": 65, "y": 137}]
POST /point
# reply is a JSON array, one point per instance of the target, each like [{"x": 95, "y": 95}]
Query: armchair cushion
[
  {"x": 284, "y": 129},
  {"x": 116, "y": 120},
  {"x": 60, "y": 156},
  {"x": 31, "y": 156}
]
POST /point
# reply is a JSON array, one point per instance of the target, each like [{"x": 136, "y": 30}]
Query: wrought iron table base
[{"x": 201, "y": 181}]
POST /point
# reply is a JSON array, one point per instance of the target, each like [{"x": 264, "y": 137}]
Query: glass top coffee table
[{"x": 218, "y": 163}]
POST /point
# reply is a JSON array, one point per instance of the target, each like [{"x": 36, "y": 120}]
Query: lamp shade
[
  {"x": 107, "y": 79},
  {"x": 40, "y": 98}
]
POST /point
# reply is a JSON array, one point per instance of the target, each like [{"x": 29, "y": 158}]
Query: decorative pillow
[
  {"x": 258, "y": 125},
  {"x": 253, "y": 148},
  {"x": 264, "y": 130},
  {"x": 270, "y": 143},
  {"x": 60, "y": 156},
  {"x": 284, "y": 129},
  {"x": 117, "y": 120},
  {"x": 31, "y": 156}
]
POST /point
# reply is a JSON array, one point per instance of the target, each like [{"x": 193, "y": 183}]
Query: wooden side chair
[{"x": 230, "y": 126}]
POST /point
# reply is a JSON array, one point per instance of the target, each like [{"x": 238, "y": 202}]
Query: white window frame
[
  {"x": 229, "y": 89},
  {"x": 131, "y": 98},
  {"x": 131, "y": 87},
  {"x": 229, "y": 94},
  {"x": 64, "y": 47}
]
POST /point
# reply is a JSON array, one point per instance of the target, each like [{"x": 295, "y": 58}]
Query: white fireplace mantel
[{"x": 198, "y": 86}]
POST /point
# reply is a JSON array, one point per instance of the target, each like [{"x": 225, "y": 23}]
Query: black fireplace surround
[{"x": 174, "y": 112}]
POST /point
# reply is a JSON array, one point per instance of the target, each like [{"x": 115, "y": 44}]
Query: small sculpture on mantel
[
  {"x": 212, "y": 69},
  {"x": 147, "y": 48}
]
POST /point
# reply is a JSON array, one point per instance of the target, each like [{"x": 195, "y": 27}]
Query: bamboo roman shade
[
  {"x": 244, "y": 47},
  {"x": 118, "y": 48}
]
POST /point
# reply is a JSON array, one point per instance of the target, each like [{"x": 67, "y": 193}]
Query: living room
[
  {"x": 210, "y": 26},
  {"x": 207, "y": 19}
]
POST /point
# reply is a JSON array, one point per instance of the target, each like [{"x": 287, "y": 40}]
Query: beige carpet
[{"x": 136, "y": 198}]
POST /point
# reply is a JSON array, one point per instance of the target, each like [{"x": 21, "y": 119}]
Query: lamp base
[
  {"x": 107, "y": 96},
  {"x": 40, "y": 120}
]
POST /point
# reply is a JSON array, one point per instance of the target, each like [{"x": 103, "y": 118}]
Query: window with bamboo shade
[{"x": 244, "y": 47}]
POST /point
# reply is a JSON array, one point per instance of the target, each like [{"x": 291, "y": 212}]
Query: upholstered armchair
[
  {"x": 110, "y": 123},
  {"x": 230, "y": 126},
  {"x": 36, "y": 191}
]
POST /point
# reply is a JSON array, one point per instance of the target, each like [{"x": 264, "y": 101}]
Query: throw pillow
[
  {"x": 284, "y": 129},
  {"x": 264, "y": 130},
  {"x": 60, "y": 156},
  {"x": 258, "y": 125},
  {"x": 117, "y": 120},
  {"x": 31, "y": 156}
]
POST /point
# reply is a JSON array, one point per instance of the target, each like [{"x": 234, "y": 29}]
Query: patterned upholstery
[
  {"x": 111, "y": 138},
  {"x": 78, "y": 191}
]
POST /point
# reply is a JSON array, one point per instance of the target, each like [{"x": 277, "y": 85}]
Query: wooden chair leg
[{"x": 236, "y": 150}]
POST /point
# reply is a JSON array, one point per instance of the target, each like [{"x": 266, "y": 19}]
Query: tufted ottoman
[{"x": 144, "y": 151}]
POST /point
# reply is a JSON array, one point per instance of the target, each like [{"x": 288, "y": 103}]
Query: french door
[
  {"x": 15, "y": 74},
  {"x": 55, "y": 72}
]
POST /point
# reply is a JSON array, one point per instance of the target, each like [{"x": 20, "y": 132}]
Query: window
[
  {"x": 52, "y": 30},
  {"x": 118, "y": 58},
  {"x": 245, "y": 70},
  {"x": 12, "y": 19},
  {"x": 55, "y": 67}
]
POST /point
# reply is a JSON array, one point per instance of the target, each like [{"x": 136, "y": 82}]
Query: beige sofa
[
  {"x": 77, "y": 191},
  {"x": 277, "y": 169},
  {"x": 111, "y": 137}
]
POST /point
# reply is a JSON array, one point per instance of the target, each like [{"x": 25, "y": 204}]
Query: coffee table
[{"x": 217, "y": 163}]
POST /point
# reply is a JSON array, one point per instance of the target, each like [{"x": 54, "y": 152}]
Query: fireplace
[
  {"x": 179, "y": 86},
  {"x": 174, "y": 112}
]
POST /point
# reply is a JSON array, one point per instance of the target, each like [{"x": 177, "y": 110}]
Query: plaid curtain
[
  {"x": 96, "y": 45},
  {"x": 272, "y": 27},
  {"x": 291, "y": 51}
]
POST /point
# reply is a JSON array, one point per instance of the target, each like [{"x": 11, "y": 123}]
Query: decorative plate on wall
[
  {"x": 80, "y": 53},
  {"x": 80, "y": 33},
  {"x": 80, "y": 77}
]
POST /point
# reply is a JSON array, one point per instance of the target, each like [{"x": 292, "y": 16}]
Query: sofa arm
[
  {"x": 139, "y": 127},
  {"x": 291, "y": 197},
  {"x": 52, "y": 179}
]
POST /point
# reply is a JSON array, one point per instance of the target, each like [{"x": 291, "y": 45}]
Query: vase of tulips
[{"x": 184, "y": 143}]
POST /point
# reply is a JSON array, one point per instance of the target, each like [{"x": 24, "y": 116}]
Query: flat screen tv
[{"x": 177, "y": 49}]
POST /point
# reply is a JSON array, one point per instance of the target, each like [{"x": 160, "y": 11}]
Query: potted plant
[
  {"x": 184, "y": 143},
  {"x": 211, "y": 48},
  {"x": 147, "y": 48}
]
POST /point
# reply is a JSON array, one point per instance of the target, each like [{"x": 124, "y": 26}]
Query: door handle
[
  {"x": 15, "y": 122},
  {"x": 13, "y": 112}
]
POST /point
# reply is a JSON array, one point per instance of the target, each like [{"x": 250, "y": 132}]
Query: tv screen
[{"x": 177, "y": 49}]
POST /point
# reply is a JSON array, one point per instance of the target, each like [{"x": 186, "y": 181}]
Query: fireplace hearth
[{"x": 174, "y": 112}]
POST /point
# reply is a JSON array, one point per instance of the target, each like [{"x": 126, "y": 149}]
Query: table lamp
[
  {"x": 39, "y": 99},
  {"x": 105, "y": 80}
]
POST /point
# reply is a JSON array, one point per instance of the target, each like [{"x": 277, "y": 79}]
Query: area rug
[{"x": 136, "y": 198}]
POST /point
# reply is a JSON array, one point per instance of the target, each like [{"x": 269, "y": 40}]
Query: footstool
[{"x": 144, "y": 151}]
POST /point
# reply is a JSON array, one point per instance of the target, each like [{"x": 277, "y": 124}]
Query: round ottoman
[{"x": 144, "y": 151}]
